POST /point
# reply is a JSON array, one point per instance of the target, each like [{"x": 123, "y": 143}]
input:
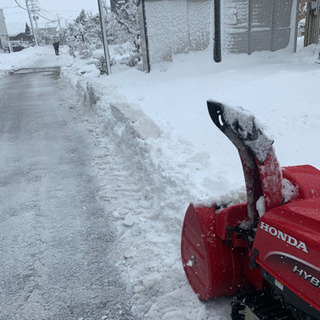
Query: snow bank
[
  {"x": 17, "y": 60},
  {"x": 149, "y": 220},
  {"x": 143, "y": 126},
  {"x": 32, "y": 57}
]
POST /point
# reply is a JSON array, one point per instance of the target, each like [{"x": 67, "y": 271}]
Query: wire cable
[
  {"x": 37, "y": 13},
  {"x": 19, "y": 5}
]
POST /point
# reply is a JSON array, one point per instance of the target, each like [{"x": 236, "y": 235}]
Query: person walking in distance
[{"x": 56, "y": 47}]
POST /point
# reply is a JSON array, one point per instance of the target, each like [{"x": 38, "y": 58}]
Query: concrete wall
[
  {"x": 179, "y": 26},
  {"x": 4, "y": 37},
  {"x": 257, "y": 25}
]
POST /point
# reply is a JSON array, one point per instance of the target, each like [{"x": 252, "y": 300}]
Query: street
[{"x": 55, "y": 236}]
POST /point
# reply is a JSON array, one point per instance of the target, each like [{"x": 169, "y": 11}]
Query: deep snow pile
[
  {"x": 17, "y": 60},
  {"x": 155, "y": 128}
]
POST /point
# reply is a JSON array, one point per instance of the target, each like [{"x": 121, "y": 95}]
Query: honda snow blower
[{"x": 267, "y": 251}]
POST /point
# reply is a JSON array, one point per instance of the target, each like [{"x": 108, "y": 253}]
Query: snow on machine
[{"x": 267, "y": 251}]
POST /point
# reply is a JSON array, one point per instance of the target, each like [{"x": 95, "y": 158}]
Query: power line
[
  {"x": 49, "y": 12},
  {"x": 44, "y": 17},
  {"x": 20, "y": 5}
]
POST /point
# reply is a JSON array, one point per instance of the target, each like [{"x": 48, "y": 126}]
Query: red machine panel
[
  {"x": 288, "y": 244},
  {"x": 212, "y": 267},
  {"x": 306, "y": 178}
]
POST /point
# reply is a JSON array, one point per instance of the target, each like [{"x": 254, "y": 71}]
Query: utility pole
[
  {"x": 104, "y": 36},
  {"x": 59, "y": 24},
  {"x": 33, "y": 8},
  {"x": 217, "y": 31},
  {"x": 144, "y": 35}
]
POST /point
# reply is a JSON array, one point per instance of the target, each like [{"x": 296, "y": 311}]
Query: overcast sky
[{"x": 16, "y": 17}]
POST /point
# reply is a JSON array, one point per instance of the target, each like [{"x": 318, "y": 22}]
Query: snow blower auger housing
[{"x": 268, "y": 248}]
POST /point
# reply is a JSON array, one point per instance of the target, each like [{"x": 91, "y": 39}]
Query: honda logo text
[{"x": 284, "y": 237}]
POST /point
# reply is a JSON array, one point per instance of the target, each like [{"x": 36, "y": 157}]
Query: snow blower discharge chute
[{"x": 265, "y": 251}]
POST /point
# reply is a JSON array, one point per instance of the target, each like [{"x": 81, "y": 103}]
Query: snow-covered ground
[{"x": 155, "y": 129}]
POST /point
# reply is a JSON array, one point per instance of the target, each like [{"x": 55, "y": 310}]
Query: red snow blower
[{"x": 265, "y": 251}]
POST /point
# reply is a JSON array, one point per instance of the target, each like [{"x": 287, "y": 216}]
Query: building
[
  {"x": 24, "y": 37},
  {"x": 4, "y": 37},
  {"x": 48, "y": 35},
  {"x": 21, "y": 41}
]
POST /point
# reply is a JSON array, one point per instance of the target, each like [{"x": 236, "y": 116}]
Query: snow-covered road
[{"x": 56, "y": 240}]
